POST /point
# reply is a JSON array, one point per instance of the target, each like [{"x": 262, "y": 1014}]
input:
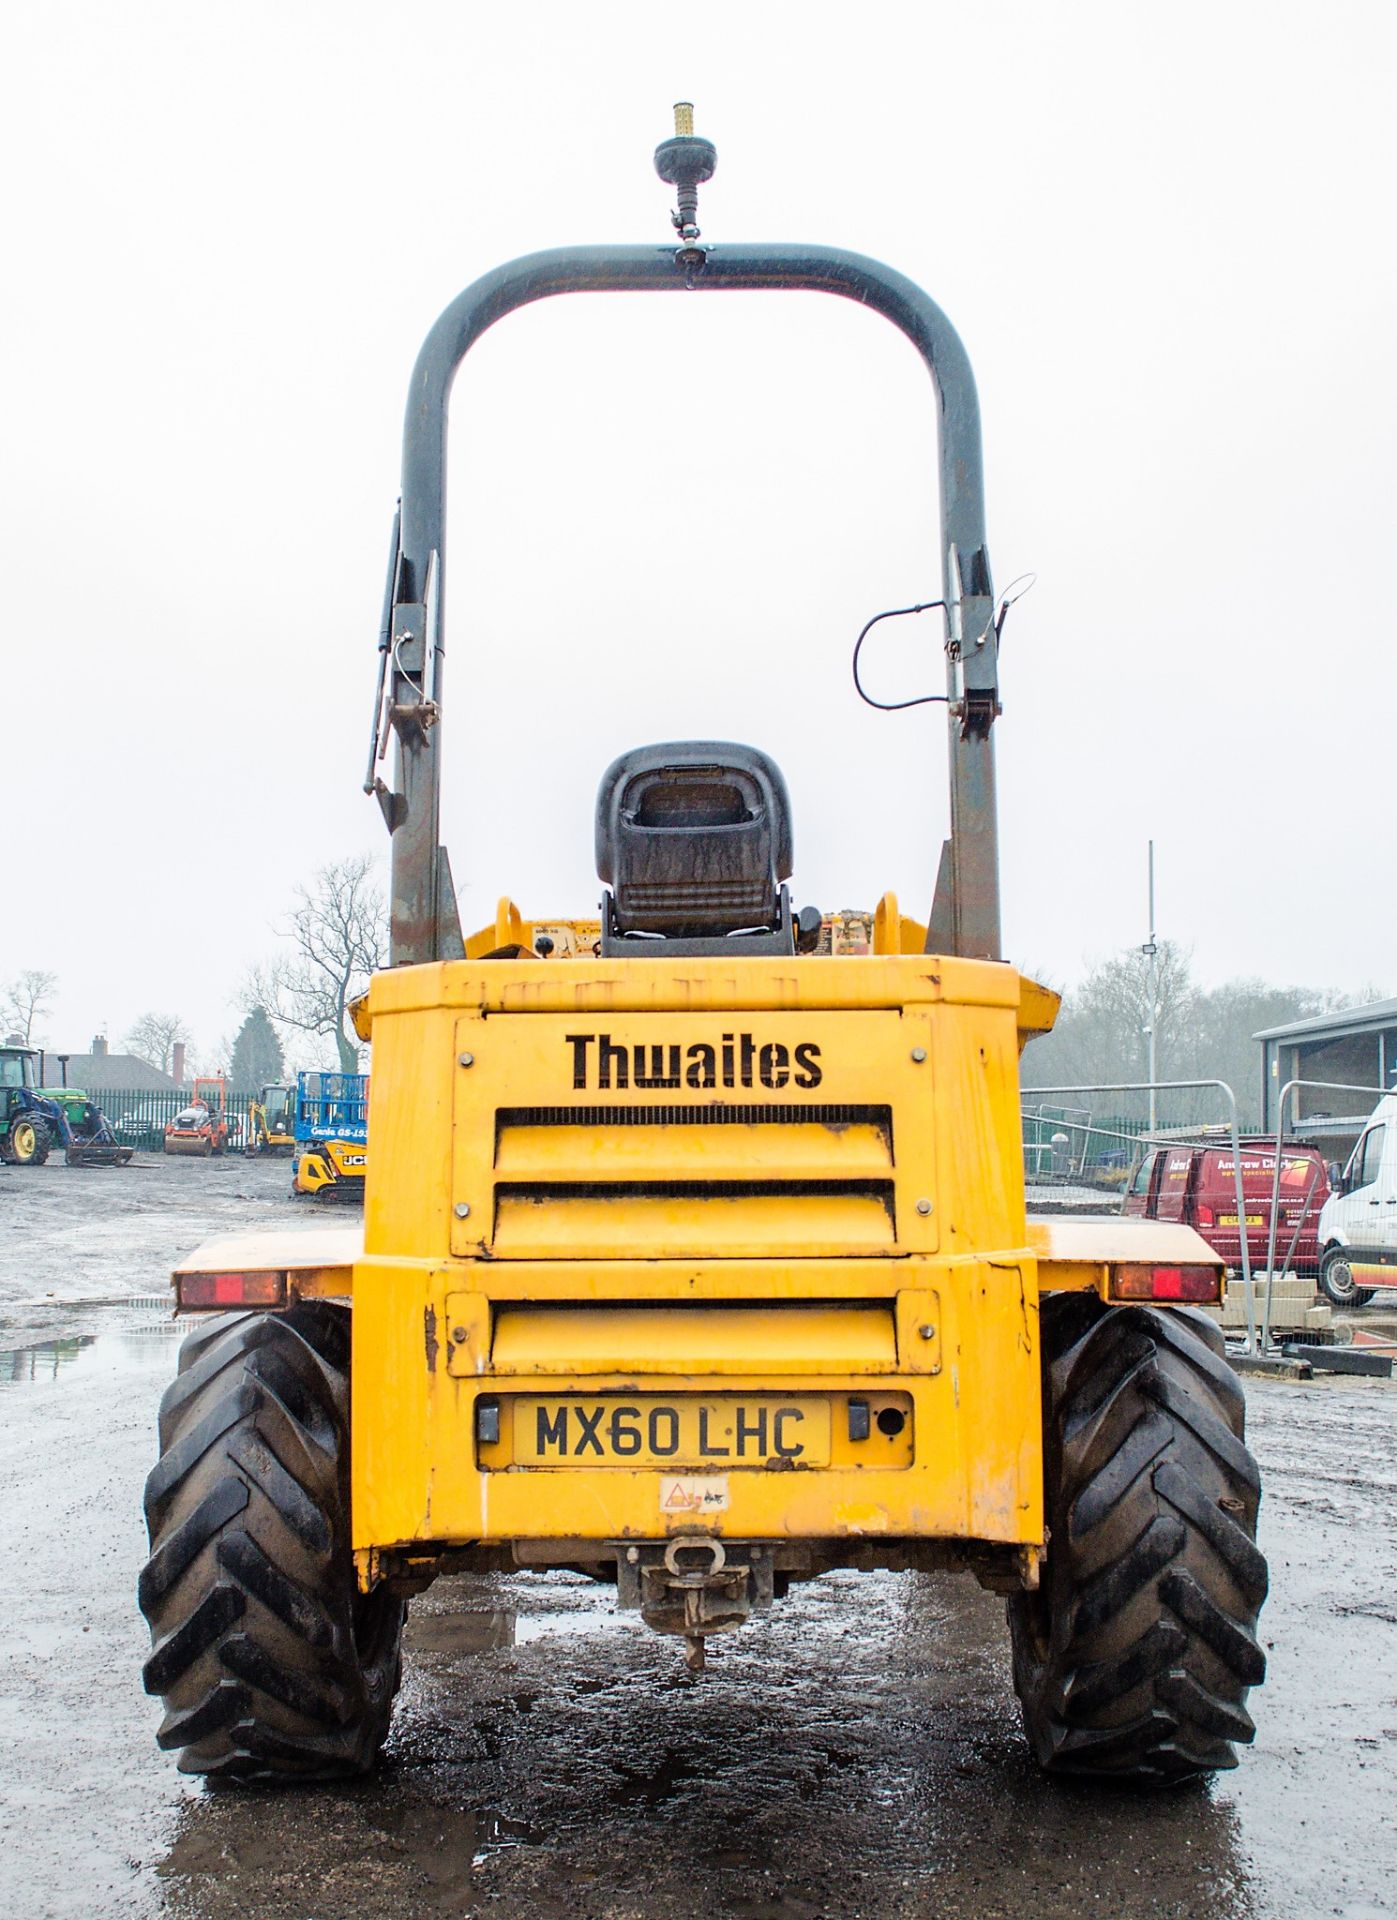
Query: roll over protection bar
[{"x": 424, "y": 925}]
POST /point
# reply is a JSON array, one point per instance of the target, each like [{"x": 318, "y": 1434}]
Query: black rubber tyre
[
  {"x": 1134, "y": 1658},
  {"x": 30, "y": 1141},
  {"x": 270, "y": 1662},
  {"x": 1336, "y": 1281}
]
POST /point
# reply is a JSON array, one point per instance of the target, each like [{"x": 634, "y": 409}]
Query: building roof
[
  {"x": 1377, "y": 1014},
  {"x": 100, "y": 1072}
]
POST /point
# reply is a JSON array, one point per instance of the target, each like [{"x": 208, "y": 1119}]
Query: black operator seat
[{"x": 693, "y": 847}]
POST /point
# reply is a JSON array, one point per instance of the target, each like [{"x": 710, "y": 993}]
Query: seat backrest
[{"x": 694, "y": 839}]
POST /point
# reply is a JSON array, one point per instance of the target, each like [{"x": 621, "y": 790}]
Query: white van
[{"x": 1358, "y": 1223}]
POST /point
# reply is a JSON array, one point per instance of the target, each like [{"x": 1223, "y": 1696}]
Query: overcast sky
[{"x": 1165, "y": 234}]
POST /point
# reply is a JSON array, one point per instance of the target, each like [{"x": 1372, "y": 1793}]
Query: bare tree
[
  {"x": 1117, "y": 998},
  {"x": 26, "y": 1000},
  {"x": 339, "y": 936},
  {"x": 1100, "y": 1034},
  {"x": 1201, "y": 1033},
  {"x": 154, "y": 1038}
]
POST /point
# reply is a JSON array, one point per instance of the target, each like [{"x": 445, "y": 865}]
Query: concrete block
[
  {"x": 1292, "y": 1305},
  {"x": 1270, "y": 1366}
]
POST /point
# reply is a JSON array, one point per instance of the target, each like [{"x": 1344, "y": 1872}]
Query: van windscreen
[{"x": 1141, "y": 1182}]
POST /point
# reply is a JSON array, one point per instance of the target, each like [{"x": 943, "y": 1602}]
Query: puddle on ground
[
  {"x": 603, "y": 1617},
  {"x": 486, "y": 1630},
  {"x": 43, "y": 1361},
  {"x": 496, "y": 1833},
  {"x": 127, "y": 1330},
  {"x": 476, "y": 1632},
  {"x": 673, "y": 1773}
]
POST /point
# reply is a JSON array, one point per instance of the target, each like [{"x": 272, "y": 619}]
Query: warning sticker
[{"x": 693, "y": 1493}]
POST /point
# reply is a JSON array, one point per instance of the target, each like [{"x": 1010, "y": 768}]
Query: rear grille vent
[
  {"x": 722, "y": 1115},
  {"x": 633, "y": 1181},
  {"x": 544, "y": 1193}
]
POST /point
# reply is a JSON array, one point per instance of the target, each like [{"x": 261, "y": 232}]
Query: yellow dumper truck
[{"x": 693, "y": 1256}]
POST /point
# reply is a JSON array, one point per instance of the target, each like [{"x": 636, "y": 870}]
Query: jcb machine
[
  {"x": 331, "y": 1131},
  {"x": 271, "y": 1120},
  {"x": 692, "y": 1256}
]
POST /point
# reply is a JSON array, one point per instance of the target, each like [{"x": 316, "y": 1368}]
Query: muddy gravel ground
[{"x": 855, "y": 1752}]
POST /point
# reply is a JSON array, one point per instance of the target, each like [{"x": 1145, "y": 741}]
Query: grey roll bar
[{"x": 424, "y": 925}]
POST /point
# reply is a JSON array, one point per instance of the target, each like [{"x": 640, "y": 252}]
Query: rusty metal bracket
[
  {"x": 977, "y": 710},
  {"x": 693, "y": 1584},
  {"x": 394, "y": 806}
]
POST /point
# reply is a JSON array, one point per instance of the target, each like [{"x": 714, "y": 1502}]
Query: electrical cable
[
  {"x": 893, "y": 706},
  {"x": 1015, "y": 591}
]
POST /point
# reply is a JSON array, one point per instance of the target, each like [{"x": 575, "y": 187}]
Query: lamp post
[{"x": 1151, "y": 953}]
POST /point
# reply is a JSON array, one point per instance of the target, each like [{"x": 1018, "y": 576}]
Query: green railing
[
  {"x": 1074, "y": 1143},
  {"x": 139, "y": 1114}
]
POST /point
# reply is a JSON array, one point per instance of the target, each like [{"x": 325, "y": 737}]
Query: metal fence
[
  {"x": 139, "y": 1114},
  {"x": 1075, "y": 1143}
]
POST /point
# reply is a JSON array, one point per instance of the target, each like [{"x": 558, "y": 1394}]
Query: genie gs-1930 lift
[
  {"x": 694, "y": 1257},
  {"x": 331, "y": 1130}
]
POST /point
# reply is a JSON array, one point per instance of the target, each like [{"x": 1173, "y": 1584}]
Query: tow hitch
[{"x": 693, "y": 1585}]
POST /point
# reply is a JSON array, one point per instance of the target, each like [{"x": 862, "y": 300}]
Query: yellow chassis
[{"x": 534, "y": 1228}]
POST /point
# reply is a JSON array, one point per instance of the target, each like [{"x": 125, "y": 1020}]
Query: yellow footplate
[{"x": 701, "y": 1432}]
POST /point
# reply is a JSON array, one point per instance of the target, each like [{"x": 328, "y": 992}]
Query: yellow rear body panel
[{"x": 669, "y": 1182}]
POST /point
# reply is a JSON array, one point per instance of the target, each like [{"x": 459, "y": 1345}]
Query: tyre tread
[
  {"x": 1136, "y": 1659},
  {"x": 269, "y": 1663}
]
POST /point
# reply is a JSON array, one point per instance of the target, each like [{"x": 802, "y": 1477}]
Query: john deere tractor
[
  {"x": 29, "y": 1123},
  {"x": 33, "y": 1119},
  {"x": 692, "y": 1255}
]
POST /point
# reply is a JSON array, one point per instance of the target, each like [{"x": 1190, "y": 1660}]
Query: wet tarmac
[
  {"x": 854, "y": 1752},
  {"x": 77, "y": 1241}
]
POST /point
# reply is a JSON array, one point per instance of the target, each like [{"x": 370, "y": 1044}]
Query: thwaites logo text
[{"x": 738, "y": 1060}]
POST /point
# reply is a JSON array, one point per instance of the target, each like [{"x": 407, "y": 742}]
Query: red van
[{"x": 1197, "y": 1185}]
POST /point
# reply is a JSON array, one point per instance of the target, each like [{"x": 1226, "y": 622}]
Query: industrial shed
[{"x": 1357, "y": 1047}]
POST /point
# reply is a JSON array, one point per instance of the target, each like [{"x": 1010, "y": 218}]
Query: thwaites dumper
[{"x": 692, "y": 1256}]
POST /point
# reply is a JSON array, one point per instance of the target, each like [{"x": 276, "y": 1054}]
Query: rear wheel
[
  {"x": 1336, "y": 1281},
  {"x": 1134, "y": 1658},
  {"x": 270, "y": 1662},
  {"x": 29, "y": 1141}
]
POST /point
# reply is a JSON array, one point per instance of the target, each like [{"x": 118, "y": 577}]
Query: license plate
[
  {"x": 1230, "y": 1219},
  {"x": 748, "y": 1430}
]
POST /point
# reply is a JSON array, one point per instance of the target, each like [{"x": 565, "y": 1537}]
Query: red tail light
[
  {"x": 1166, "y": 1283},
  {"x": 231, "y": 1289},
  {"x": 1205, "y": 1216}
]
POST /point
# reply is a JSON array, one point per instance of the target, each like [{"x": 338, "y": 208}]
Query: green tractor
[
  {"x": 28, "y": 1122},
  {"x": 88, "y": 1138},
  {"x": 33, "y": 1118}
]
